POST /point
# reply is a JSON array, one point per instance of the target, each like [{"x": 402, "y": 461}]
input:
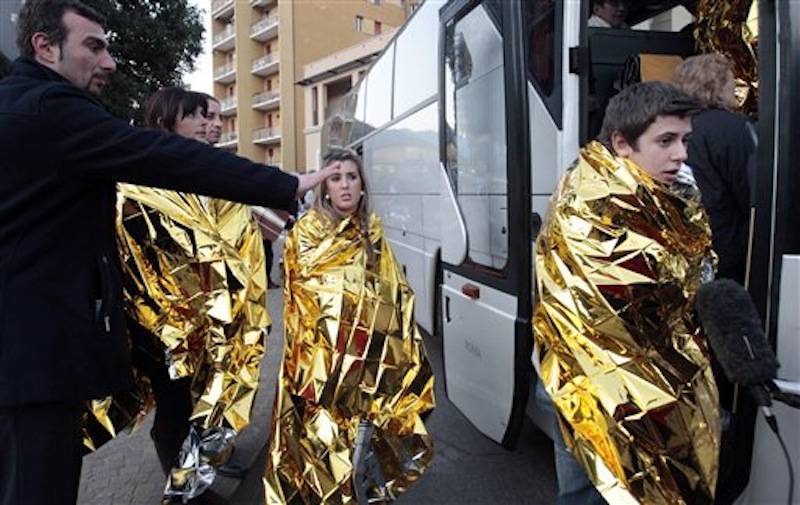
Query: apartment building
[
  {"x": 260, "y": 48},
  {"x": 327, "y": 82}
]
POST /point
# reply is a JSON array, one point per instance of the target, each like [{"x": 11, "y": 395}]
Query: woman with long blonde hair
[{"x": 355, "y": 380}]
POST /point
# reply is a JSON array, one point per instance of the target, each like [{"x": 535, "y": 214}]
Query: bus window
[
  {"x": 540, "y": 23},
  {"x": 543, "y": 43},
  {"x": 476, "y": 141}
]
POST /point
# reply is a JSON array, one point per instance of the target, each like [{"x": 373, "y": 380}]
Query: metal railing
[
  {"x": 228, "y": 137},
  {"x": 263, "y": 24},
  {"x": 266, "y": 96},
  {"x": 264, "y": 61},
  {"x": 266, "y": 133},
  {"x": 224, "y": 69},
  {"x": 224, "y": 34}
]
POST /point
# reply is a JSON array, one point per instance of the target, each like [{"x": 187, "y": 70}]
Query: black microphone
[{"x": 736, "y": 336}]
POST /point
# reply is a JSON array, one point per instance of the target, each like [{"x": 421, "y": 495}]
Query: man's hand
[{"x": 311, "y": 179}]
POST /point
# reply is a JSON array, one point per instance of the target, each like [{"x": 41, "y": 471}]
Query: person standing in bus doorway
[
  {"x": 355, "y": 381},
  {"x": 623, "y": 249},
  {"x": 608, "y": 14},
  {"x": 721, "y": 153}
]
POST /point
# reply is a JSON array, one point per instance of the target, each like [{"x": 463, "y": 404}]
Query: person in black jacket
[
  {"x": 62, "y": 334},
  {"x": 720, "y": 153}
]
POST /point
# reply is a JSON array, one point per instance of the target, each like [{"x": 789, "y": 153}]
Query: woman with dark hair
[
  {"x": 355, "y": 379},
  {"x": 195, "y": 297}
]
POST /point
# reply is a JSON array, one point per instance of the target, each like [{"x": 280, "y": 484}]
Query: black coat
[
  {"x": 62, "y": 334},
  {"x": 720, "y": 152}
]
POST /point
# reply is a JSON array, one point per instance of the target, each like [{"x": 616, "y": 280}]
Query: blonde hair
[
  {"x": 707, "y": 78},
  {"x": 323, "y": 203}
]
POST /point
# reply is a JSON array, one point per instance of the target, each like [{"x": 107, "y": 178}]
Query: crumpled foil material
[
  {"x": 730, "y": 27},
  {"x": 198, "y": 459},
  {"x": 195, "y": 278},
  {"x": 623, "y": 356},
  {"x": 355, "y": 379}
]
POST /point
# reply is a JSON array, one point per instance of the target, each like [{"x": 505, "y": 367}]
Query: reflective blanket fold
[{"x": 195, "y": 279}]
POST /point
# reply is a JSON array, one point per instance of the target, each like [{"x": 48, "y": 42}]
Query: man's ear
[
  {"x": 45, "y": 51},
  {"x": 620, "y": 144}
]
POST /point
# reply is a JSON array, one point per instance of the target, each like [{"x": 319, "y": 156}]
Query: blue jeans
[{"x": 574, "y": 487}]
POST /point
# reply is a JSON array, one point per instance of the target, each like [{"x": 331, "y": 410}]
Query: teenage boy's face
[{"x": 661, "y": 149}]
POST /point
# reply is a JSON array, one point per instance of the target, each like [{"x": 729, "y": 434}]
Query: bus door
[
  {"x": 774, "y": 278},
  {"x": 486, "y": 241}
]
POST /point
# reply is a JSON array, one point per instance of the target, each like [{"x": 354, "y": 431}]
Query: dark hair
[
  {"x": 164, "y": 107},
  {"x": 47, "y": 16},
  {"x": 636, "y": 107},
  {"x": 604, "y": 2},
  {"x": 210, "y": 97}
]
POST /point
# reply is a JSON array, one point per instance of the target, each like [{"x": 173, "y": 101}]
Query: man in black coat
[{"x": 62, "y": 335}]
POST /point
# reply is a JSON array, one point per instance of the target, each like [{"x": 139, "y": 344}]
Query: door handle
[
  {"x": 471, "y": 291},
  {"x": 447, "y": 309}
]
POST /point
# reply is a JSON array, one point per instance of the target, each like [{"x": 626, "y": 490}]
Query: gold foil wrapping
[
  {"x": 730, "y": 27},
  {"x": 195, "y": 278},
  {"x": 623, "y": 357},
  {"x": 355, "y": 378}
]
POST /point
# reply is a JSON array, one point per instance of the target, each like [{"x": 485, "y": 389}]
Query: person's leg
[
  {"x": 269, "y": 259},
  {"x": 574, "y": 487},
  {"x": 173, "y": 397},
  {"x": 42, "y": 453}
]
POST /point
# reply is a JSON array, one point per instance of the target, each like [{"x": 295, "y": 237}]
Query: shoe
[{"x": 233, "y": 469}]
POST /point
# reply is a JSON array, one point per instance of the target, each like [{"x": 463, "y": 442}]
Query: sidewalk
[{"x": 126, "y": 469}]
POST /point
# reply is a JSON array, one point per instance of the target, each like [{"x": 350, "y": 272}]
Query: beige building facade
[{"x": 260, "y": 50}]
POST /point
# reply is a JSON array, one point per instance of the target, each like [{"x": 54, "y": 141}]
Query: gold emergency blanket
[
  {"x": 355, "y": 378},
  {"x": 730, "y": 27},
  {"x": 194, "y": 277},
  {"x": 622, "y": 354}
]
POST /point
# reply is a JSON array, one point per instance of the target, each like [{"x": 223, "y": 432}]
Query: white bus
[{"x": 466, "y": 123}]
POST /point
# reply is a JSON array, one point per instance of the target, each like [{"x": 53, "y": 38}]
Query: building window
[
  {"x": 314, "y": 106},
  {"x": 378, "y": 27},
  {"x": 359, "y": 23}
]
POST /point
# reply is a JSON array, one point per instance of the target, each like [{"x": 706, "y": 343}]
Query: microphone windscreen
[{"x": 735, "y": 332}]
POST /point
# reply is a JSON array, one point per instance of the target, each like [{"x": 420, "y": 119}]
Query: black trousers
[
  {"x": 268, "y": 258},
  {"x": 173, "y": 397},
  {"x": 40, "y": 454}
]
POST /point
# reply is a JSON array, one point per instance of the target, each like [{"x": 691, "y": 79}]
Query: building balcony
[
  {"x": 266, "y": 65},
  {"x": 222, "y": 9},
  {"x": 225, "y": 74},
  {"x": 266, "y": 100},
  {"x": 264, "y": 29},
  {"x": 266, "y": 136},
  {"x": 227, "y": 106},
  {"x": 262, "y": 3},
  {"x": 228, "y": 140},
  {"x": 225, "y": 40}
]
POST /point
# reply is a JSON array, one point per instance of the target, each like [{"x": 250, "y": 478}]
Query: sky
[{"x": 202, "y": 78}]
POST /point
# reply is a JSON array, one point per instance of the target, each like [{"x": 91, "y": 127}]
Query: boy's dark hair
[
  {"x": 164, "y": 107},
  {"x": 211, "y": 97},
  {"x": 636, "y": 107},
  {"x": 46, "y": 16}
]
